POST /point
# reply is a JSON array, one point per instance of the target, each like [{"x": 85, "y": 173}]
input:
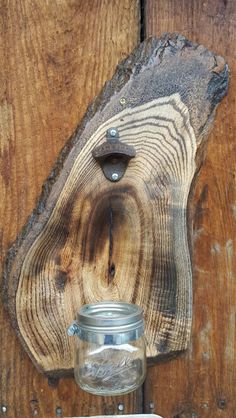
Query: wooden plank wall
[
  {"x": 203, "y": 382},
  {"x": 55, "y": 56}
]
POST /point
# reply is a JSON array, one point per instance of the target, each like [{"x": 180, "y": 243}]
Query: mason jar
[{"x": 110, "y": 352}]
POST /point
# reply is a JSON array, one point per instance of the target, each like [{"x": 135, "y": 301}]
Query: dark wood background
[{"x": 55, "y": 56}]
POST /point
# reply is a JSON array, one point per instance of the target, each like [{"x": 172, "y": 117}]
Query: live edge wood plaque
[{"x": 112, "y": 220}]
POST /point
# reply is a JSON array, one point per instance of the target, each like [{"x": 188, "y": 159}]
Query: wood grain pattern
[
  {"x": 84, "y": 223},
  {"x": 202, "y": 382},
  {"x": 55, "y": 56}
]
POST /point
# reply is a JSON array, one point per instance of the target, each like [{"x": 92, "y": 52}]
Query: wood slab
[{"x": 90, "y": 239}]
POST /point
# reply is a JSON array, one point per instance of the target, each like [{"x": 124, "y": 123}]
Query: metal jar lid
[
  {"x": 115, "y": 322},
  {"x": 110, "y": 316}
]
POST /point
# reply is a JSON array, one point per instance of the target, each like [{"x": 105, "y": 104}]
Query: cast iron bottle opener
[{"x": 113, "y": 155}]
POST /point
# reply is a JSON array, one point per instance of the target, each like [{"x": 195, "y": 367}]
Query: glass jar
[{"x": 110, "y": 348}]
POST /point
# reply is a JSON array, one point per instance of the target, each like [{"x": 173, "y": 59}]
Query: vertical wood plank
[
  {"x": 202, "y": 383},
  {"x": 55, "y": 56}
]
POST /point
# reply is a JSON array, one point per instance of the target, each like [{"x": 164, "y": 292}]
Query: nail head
[{"x": 222, "y": 403}]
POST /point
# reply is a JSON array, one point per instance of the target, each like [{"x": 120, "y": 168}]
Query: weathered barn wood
[
  {"x": 202, "y": 382},
  {"x": 90, "y": 239},
  {"x": 44, "y": 46},
  {"x": 55, "y": 56}
]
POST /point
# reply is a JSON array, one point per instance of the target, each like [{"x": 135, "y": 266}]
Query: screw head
[
  {"x": 72, "y": 329},
  {"x": 113, "y": 132},
  {"x": 122, "y": 101},
  {"x": 115, "y": 176},
  {"x": 151, "y": 405},
  {"x": 58, "y": 411},
  {"x": 120, "y": 407},
  {"x": 4, "y": 409}
]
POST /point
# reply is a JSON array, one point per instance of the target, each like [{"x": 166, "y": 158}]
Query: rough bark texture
[
  {"x": 90, "y": 239},
  {"x": 55, "y": 57},
  {"x": 201, "y": 383}
]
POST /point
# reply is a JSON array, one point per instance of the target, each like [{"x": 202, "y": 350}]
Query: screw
[
  {"x": 34, "y": 405},
  {"x": 58, "y": 411},
  {"x": 4, "y": 409},
  {"x": 122, "y": 101},
  {"x": 113, "y": 132},
  {"x": 115, "y": 176},
  {"x": 151, "y": 405},
  {"x": 120, "y": 406},
  {"x": 72, "y": 329}
]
